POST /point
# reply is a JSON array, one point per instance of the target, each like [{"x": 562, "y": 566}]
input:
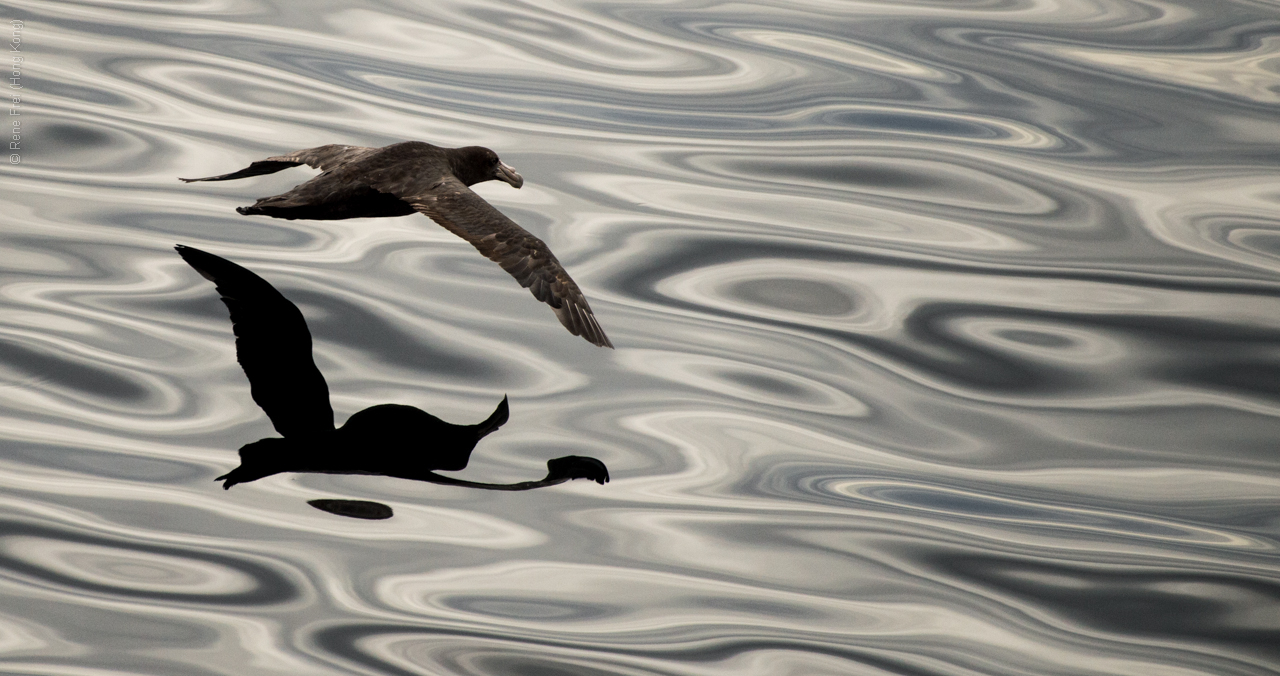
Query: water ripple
[
  {"x": 946, "y": 339},
  {"x": 119, "y": 568}
]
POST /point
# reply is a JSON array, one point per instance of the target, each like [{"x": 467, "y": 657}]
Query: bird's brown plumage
[
  {"x": 324, "y": 158},
  {"x": 415, "y": 176}
]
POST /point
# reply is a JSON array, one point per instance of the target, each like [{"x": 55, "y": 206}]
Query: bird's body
[
  {"x": 409, "y": 177},
  {"x": 273, "y": 346},
  {"x": 387, "y": 440},
  {"x": 444, "y": 445}
]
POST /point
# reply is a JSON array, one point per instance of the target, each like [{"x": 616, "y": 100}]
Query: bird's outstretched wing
[
  {"x": 527, "y": 258},
  {"x": 325, "y": 158},
  {"x": 273, "y": 346}
]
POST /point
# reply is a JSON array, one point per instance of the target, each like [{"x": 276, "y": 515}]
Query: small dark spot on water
[
  {"x": 71, "y": 137},
  {"x": 521, "y": 23},
  {"x": 333, "y": 319},
  {"x": 119, "y": 630},
  {"x": 922, "y": 124},
  {"x": 254, "y": 92},
  {"x": 269, "y": 586},
  {"x": 101, "y": 464},
  {"x": 92, "y": 95},
  {"x": 204, "y": 307},
  {"x": 795, "y": 295},
  {"x": 1037, "y": 338},
  {"x": 232, "y": 228},
  {"x": 1167, "y": 603},
  {"x": 1256, "y": 378},
  {"x": 70, "y": 374},
  {"x": 525, "y": 609},
  {"x": 356, "y": 509},
  {"x": 763, "y": 383},
  {"x": 841, "y": 173},
  {"x": 1262, "y": 242},
  {"x": 521, "y": 663},
  {"x": 755, "y": 606},
  {"x": 949, "y": 501}
]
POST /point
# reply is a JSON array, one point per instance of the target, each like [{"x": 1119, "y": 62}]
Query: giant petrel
[
  {"x": 273, "y": 346},
  {"x": 402, "y": 178}
]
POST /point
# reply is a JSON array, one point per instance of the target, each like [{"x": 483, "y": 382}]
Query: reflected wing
[
  {"x": 324, "y": 158},
  {"x": 273, "y": 346},
  {"x": 527, "y": 258}
]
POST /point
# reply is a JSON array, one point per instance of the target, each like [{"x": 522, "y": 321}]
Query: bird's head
[
  {"x": 475, "y": 164},
  {"x": 577, "y": 467}
]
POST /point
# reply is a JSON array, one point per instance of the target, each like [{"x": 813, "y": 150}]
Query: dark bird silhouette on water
[
  {"x": 273, "y": 346},
  {"x": 355, "y": 509},
  {"x": 402, "y": 178}
]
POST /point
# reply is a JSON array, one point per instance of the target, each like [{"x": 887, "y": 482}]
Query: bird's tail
[
  {"x": 256, "y": 169},
  {"x": 259, "y": 459},
  {"x": 494, "y": 421},
  {"x": 286, "y": 207},
  {"x": 275, "y": 206}
]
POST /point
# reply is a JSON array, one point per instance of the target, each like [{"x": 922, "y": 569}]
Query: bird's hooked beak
[{"x": 506, "y": 173}]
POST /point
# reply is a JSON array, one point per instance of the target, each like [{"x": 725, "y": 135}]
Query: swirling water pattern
[{"x": 947, "y": 339}]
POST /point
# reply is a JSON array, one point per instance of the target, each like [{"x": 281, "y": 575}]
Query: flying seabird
[
  {"x": 273, "y": 346},
  {"x": 402, "y": 178}
]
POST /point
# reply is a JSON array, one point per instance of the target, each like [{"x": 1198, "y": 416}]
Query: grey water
[{"x": 948, "y": 339}]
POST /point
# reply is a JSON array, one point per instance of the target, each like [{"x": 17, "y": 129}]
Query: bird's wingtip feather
[{"x": 189, "y": 253}]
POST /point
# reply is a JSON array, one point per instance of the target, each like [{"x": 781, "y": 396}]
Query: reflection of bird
[
  {"x": 273, "y": 346},
  {"x": 413, "y": 176}
]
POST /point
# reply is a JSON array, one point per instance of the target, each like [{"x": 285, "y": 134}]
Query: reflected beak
[{"x": 506, "y": 173}]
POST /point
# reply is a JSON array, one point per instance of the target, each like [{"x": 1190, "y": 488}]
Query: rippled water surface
[{"x": 948, "y": 339}]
